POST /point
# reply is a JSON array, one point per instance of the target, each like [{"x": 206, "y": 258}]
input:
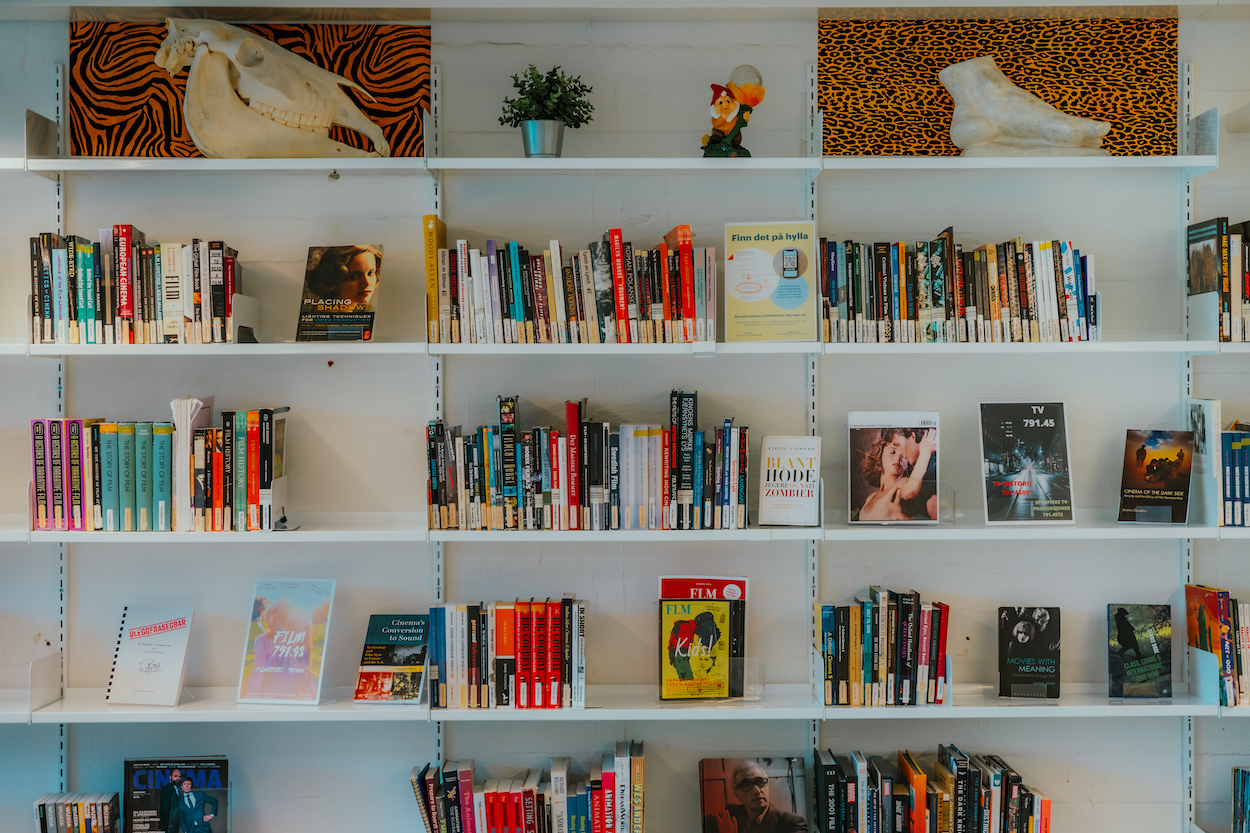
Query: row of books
[
  {"x": 588, "y": 476},
  {"x": 935, "y": 291},
  {"x": 78, "y": 813},
  {"x": 1235, "y": 475},
  {"x": 608, "y": 292},
  {"x": 120, "y": 290},
  {"x": 1220, "y": 625},
  {"x": 886, "y": 649},
  {"x": 94, "y": 475},
  {"x": 1241, "y": 799},
  {"x": 609, "y": 799},
  {"x": 949, "y": 793},
  {"x": 1218, "y": 260},
  {"x": 528, "y": 654}
]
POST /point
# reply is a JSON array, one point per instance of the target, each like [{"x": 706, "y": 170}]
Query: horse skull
[{"x": 248, "y": 97}]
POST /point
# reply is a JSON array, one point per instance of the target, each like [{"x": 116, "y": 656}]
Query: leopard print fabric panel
[{"x": 881, "y": 96}]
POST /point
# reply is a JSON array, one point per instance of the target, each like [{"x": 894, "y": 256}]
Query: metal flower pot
[{"x": 543, "y": 138}]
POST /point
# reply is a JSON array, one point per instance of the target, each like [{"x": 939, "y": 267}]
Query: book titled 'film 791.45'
[{"x": 1024, "y": 454}]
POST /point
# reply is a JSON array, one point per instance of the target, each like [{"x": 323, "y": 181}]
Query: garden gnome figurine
[{"x": 731, "y": 110}]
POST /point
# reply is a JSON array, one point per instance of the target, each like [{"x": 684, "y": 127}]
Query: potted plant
[{"x": 544, "y": 106}]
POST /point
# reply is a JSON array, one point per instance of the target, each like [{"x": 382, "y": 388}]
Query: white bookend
[{"x": 151, "y": 656}]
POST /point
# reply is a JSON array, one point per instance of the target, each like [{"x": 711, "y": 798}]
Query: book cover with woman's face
[{"x": 893, "y": 466}]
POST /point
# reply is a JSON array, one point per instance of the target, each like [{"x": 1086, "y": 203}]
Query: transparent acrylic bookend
[{"x": 750, "y": 671}]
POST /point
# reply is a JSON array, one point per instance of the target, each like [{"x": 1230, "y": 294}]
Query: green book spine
[
  {"x": 143, "y": 476},
  {"x": 240, "y": 470},
  {"x": 93, "y": 337},
  {"x": 162, "y": 476},
  {"x": 126, "y": 475},
  {"x": 110, "y": 500}
]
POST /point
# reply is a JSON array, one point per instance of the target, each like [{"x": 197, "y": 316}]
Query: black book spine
[
  {"x": 572, "y": 313},
  {"x": 503, "y": 268},
  {"x": 881, "y": 268},
  {"x": 527, "y": 289},
  {"x": 737, "y": 647},
  {"x": 440, "y": 485},
  {"x": 744, "y": 473},
  {"x": 657, "y": 292},
  {"x": 709, "y": 477},
  {"x": 841, "y": 646},
  {"x": 527, "y": 481},
  {"x": 904, "y": 678},
  {"x": 71, "y": 251},
  {"x": 614, "y": 481},
  {"x": 584, "y": 465},
  {"x": 674, "y": 292},
  {"x": 687, "y": 412},
  {"x": 431, "y": 471},
  {"x": 931, "y": 652},
  {"x": 827, "y": 795},
  {"x": 631, "y": 290},
  {"x": 36, "y": 304},
  {"x": 473, "y": 658},
  {"x": 97, "y": 282},
  {"x": 227, "y": 468},
  {"x": 674, "y": 431}
]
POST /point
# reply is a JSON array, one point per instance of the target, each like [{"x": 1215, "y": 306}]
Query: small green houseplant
[{"x": 544, "y": 106}]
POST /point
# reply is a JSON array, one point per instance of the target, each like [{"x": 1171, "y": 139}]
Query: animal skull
[{"x": 247, "y": 97}]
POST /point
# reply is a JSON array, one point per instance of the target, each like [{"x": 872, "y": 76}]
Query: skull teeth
[{"x": 300, "y": 121}]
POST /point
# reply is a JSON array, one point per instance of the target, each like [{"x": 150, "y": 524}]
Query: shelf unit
[{"x": 786, "y": 704}]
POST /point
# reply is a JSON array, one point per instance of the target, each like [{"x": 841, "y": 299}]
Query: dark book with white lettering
[
  {"x": 1025, "y": 463},
  {"x": 392, "y": 666},
  {"x": 189, "y": 793},
  {"x": 1157, "y": 469},
  {"x": 1139, "y": 650},
  {"x": 338, "y": 302},
  {"x": 1028, "y": 652}
]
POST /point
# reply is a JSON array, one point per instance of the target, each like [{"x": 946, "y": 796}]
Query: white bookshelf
[{"x": 355, "y": 501}]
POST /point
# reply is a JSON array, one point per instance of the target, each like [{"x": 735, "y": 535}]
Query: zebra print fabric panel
[{"x": 122, "y": 104}]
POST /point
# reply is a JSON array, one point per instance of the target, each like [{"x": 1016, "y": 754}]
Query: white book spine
[
  {"x": 711, "y": 295},
  {"x": 555, "y": 271},
  {"x": 655, "y": 458}
]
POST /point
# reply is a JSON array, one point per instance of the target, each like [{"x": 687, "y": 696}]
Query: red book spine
[
  {"x": 492, "y": 812},
  {"x": 685, "y": 256},
  {"x": 616, "y": 242},
  {"x": 125, "y": 288},
  {"x": 218, "y": 482},
  {"x": 572, "y": 418},
  {"x": 524, "y": 654},
  {"x": 529, "y": 805},
  {"x": 942, "y": 694},
  {"x": 961, "y": 303},
  {"x": 538, "y": 654},
  {"x": 596, "y": 810},
  {"x": 666, "y": 492},
  {"x": 664, "y": 289},
  {"x": 518, "y": 813},
  {"x": 609, "y": 801},
  {"x": 554, "y": 653}
]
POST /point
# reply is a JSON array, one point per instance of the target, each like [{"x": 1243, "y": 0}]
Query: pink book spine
[
  {"x": 39, "y": 473},
  {"x": 72, "y": 445}
]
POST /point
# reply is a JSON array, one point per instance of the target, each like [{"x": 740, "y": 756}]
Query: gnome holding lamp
[{"x": 731, "y": 110}]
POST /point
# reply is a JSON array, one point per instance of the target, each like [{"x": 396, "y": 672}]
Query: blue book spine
[
  {"x": 143, "y": 476},
  {"x": 163, "y": 476},
  {"x": 828, "y": 635},
  {"x": 900, "y": 314},
  {"x": 93, "y": 303},
  {"x": 843, "y": 291},
  {"x": 82, "y": 277},
  {"x": 60, "y": 294},
  {"x": 868, "y": 643},
  {"x": 126, "y": 474},
  {"x": 440, "y": 641},
  {"x": 514, "y": 255},
  {"x": 583, "y": 812},
  {"x": 1226, "y": 447},
  {"x": 110, "y": 465},
  {"x": 698, "y": 478}
]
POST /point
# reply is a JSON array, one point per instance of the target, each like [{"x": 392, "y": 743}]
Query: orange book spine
[
  {"x": 538, "y": 654},
  {"x": 218, "y": 485},
  {"x": 554, "y": 654},
  {"x": 616, "y": 245}
]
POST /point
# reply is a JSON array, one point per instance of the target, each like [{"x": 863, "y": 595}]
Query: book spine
[
  {"x": 40, "y": 473},
  {"x": 143, "y": 476},
  {"x": 616, "y": 255},
  {"x": 97, "y": 478},
  {"x": 570, "y": 475},
  {"x": 162, "y": 476},
  {"x": 126, "y": 475},
  {"x": 631, "y": 288}
]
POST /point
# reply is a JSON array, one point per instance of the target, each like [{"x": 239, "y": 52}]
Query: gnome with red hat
[{"x": 731, "y": 110}]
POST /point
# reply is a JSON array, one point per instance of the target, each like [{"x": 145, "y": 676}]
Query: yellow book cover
[
  {"x": 771, "y": 282},
  {"x": 695, "y": 662},
  {"x": 435, "y": 239}
]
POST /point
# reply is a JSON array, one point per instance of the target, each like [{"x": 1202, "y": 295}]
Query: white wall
[{"x": 357, "y": 436}]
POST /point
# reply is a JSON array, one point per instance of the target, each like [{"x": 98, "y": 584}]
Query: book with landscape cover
[
  {"x": 1157, "y": 470},
  {"x": 763, "y": 793},
  {"x": 694, "y": 653},
  {"x": 392, "y": 666},
  {"x": 286, "y": 637},
  {"x": 1028, "y": 652},
  {"x": 893, "y": 466},
  {"x": 154, "y": 797},
  {"x": 1024, "y": 454},
  {"x": 338, "y": 302},
  {"x": 1139, "y": 650}
]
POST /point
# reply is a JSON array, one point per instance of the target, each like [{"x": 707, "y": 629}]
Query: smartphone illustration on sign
[{"x": 789, "y": 263}]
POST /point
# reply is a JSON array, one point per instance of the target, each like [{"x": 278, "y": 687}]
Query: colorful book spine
[
  {"x": 110, "y": 477},
  {"x": 42, "y": 514},
  {"x": 127, "y": 495},
  {"x": 143, "y": 476},
  {"x": 241, "y": 471},
  {"x": 162, "y": 476}
]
